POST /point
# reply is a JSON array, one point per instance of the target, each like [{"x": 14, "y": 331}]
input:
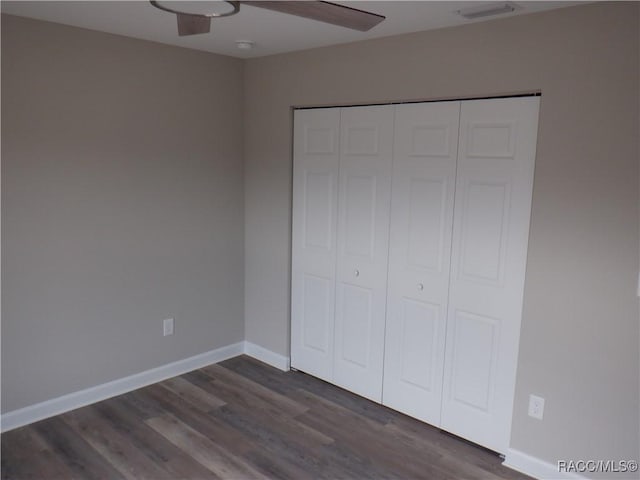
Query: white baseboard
[
  {"x": 71, "y": 401},
  {"x": 267, "y": 356},
  {"x": 514, "y": 459},
  {"x": 56, "y": 406},
  {"x": 536, "y": 468}
]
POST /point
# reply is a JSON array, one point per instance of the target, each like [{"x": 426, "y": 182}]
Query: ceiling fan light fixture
[
  {"x": 195, "y": 17},
  {"x": 487, "y": 10},
  {"x": 209, "y": 9}
]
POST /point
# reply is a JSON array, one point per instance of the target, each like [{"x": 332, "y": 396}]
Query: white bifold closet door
[
  {"x": 315, "y": 192},
  {"x": 457, "y": 262},
  {"x": 366, "y": 149},
  {"x": 438, "y": 340},
  {"x": 424, "y": 177},
  {"x": 340, "y": 242},
  {"x": 494, "y": 184}
]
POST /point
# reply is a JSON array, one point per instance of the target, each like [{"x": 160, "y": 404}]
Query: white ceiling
[{"x": 272, "y": 32}]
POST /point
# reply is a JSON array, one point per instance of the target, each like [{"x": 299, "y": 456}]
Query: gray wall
[
  {"x": 122, "y": 204},
  {"x": 579, "y": 344}
]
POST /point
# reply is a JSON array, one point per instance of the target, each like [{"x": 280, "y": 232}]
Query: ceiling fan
[{"x": 195, "y": 17}]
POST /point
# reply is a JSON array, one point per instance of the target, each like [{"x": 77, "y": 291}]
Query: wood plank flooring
[{"x": 241, "y": 419}]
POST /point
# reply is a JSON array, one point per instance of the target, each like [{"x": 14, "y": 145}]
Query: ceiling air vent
[{"x": 487, "y": 10}]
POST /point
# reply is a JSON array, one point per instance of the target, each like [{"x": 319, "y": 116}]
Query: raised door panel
[
  {"x": 315, "y": 199},
  {"x": 356, "y": 324},
  {"x": 420, "y": 325},
  {"x": 427, "y": 218},
  {"x": 363, "y": 227},
  {"x": 318, "y": 198},
  {"x": 485, "y": 218},
  {"x": 424, "y": 171},
  {"x": 360, "y": 221},
  {"x": 317, "y": 313},
  {"x": 489, "y": 249},
  {"x": 474, "y": 357}
]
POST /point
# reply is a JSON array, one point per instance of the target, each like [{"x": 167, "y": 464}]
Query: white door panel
[
  {"x": 427, "y": 217},
  {"x": 355, "y": 327},
  {"x": 424, "y": 170},
  {"x": 360, "y": 221},
  {"x": 420, "y": 323},
  {"x": 318, "y": 198},
  {"x": 485, "y": 218},
  {"x": 474, "y": 357},
  {"x": 315, "y": 200},
  {"x": 491, "y": 227},
  {"x": 317, "y": 312},
  {"x": 363, "y": 229}
]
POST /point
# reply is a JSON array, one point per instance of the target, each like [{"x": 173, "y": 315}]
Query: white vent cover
[{"x": 487, "y": 10}]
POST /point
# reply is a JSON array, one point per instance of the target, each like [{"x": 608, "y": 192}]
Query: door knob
[
  {"x": 420, "y": 286},
  {"x": 356, "y": 273}
]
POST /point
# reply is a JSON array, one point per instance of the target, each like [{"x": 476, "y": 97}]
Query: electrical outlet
[
  {"x": 167, "y": 326},
  {"x": 536, "y": 406}
]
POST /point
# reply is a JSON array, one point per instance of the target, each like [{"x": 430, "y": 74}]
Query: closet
[{"x": 409, "y": 242}]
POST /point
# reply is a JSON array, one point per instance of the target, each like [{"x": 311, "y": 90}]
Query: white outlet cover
[
  {"x": 536, "y": 407},
  {"x": 167, "y": 326}
]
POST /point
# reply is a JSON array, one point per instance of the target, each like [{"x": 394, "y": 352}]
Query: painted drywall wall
[
  {"x": 579, "y": 343},
  {"x": 122, "y": 205}
]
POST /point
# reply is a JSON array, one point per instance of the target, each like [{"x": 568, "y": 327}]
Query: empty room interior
[{"x": 355, "y": 240}]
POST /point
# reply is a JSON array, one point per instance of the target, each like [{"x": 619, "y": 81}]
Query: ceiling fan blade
[
  {"x": 326, "y": 12},
  {"x": 192, "y": 24}
]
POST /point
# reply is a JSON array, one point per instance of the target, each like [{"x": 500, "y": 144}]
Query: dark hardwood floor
[{"x": 241, "y": 419}]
